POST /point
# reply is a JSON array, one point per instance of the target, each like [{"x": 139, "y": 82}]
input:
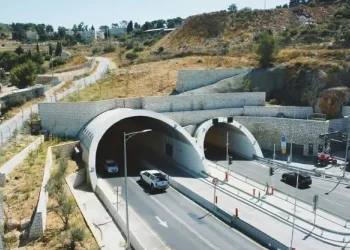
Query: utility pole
[
  {"x": 295, "y": 209},
  {"x": 273, "y": 163},
  {"x": 227, "y": 156},
  {"x": 291, "y": 144},
  {"x": 347, "y": 146}
]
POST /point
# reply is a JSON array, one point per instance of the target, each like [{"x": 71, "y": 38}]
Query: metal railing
[{"x": 275, "y": 164}]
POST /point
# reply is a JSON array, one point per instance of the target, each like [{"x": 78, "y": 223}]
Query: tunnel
[
  {"x": 149, "y": 135},
  {"x": 212, "y": 137}
]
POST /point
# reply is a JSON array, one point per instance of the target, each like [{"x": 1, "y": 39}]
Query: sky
[{"x": 105, "y": 12}]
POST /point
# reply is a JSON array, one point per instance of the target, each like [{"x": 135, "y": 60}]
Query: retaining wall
[
  {"x": 89, "y": 64},
  {"x": 286, "y": 111},
  {"x": 38, "y": 223},
  {"x": 203, "y": 102},
  {"x": 193, "y": 79},
  {"x": 346, "y": 111},
  {"x": 27, "y": 94},
  {"x": 268, "y": 130}
]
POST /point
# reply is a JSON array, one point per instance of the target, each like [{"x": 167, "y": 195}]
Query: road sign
[
  {"x": 283, "y": 144},
  {"x": 215, "y": 181},
  {"x": 315, "y": 200}
]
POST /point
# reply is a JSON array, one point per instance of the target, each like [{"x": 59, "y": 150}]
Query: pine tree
[
  {"x": 50, "y": 49},
  {"x": 37, "y": 48},
  {"x": 130, "y": 27},
  {"x": 58, "y": 50}
]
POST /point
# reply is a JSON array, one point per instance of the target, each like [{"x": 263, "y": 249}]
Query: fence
[{"x": 275, "y": 164}]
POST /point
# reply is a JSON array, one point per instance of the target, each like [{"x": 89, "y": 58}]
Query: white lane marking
[
  {"x": 161, "y": 222},
  {"x": 149, "y": 229},
  {"x": 340, "y": 205},
  {"x": 182, "y": 222}
]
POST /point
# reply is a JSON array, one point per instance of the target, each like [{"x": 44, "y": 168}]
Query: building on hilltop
[{"x": 32, "y": 35}]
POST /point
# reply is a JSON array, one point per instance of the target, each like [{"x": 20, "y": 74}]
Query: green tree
[
  {"x": 347, "y": 39},
  {"x": 49, "y": 28},
  {"x": 233, "y": 8},
  {"x": 58, "y": 50},
  {"x": 267, "y": 48},
  {"x": 64, "y": 208},
  {"x": 50, "y": 49},
  {"x": 62, "y": 32},
  {"x": 37, "y": 48},
  {"x": 19, "y": 50},
  {"x": 8, "y": 60},
  {"x": 92, "y": 27},
  {"x": 137, "y": 26},
  {"x": 23, "y": 75},
  {"x": 76, "y": 234},
  {"x": 130, "y": 27}
]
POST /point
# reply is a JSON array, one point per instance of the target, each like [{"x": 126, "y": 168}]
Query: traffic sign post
[
  {"x": 215, "y": 181},
  {"x": 315, "y": 200}
]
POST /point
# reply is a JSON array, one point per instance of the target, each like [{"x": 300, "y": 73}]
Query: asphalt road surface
[
  {"x": 336, "y": 202},
  {"x": 179, "y": 222}
]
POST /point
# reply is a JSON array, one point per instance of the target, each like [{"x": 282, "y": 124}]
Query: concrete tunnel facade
[
  {"x": 241, "y": 141},
  {"x": 165, "y": 132}
]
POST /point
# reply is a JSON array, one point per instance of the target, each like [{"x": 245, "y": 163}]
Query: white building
[
  {"x": 117, "y": 31},
  {"x": 32, "y": 35},
  {"x": 100, "y": 35},
  {"x": 88, "y": 35}
]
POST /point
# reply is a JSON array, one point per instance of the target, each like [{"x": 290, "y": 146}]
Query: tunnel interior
[
  {"x": 162, "y": 142},
  {"x": 239, "y": 148}
]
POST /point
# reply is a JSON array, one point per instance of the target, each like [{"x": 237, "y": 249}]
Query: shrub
[
  {"x": 23, "y": 75},
  {"x": 58, "y": 61},
  {"x": 293, "y": 32},
  {"x": 267, "y": 49},
  {"x": 161, "y": 49},
  {"x": 131, "y": 55},
  {"x": 15, "y": 100},
  {"x": 149, "y": 42},
  {"x": 311, "y": 38},
  {"x": 129, "y": 46},
  {"x": 312, "y": 3},
  {"x": 109, "y": 48},
  {"x": 97, "y": 50},
  {"x": 76, "y": 234},
  {"x": 347, "y": 38},
  {"x": 273, "y": 102},
  {"x": 325, "y": 33},
  {"x": 138, "y": 49}
]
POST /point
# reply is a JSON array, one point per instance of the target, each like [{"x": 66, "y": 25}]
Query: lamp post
[
  {"x": 347, "y": 146},
  {"x": 128, "y": 136},
  {"x": 295, "y": 209},
  {"x": 291, "y": 144},
  {"x": 227, "y": 156}
]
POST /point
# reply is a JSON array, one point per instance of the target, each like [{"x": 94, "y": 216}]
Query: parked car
[
  {"x": 291, "y": 178},
  {"x": 110, "y": 167},
  {"x": 155, "y": 179}
]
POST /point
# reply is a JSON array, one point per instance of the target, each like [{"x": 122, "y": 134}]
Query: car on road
[
  {"x": 291, "y": 178},
  {"x": 110, "y": 167},
  {"x": 155, "y": 179}
]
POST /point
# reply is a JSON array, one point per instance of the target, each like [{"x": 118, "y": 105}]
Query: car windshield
[{"x": 111, "y": 164}]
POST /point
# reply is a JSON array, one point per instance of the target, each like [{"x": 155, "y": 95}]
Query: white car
[
  {"x": 110, "y": 167},
  {"x": 155, "y": 179}
]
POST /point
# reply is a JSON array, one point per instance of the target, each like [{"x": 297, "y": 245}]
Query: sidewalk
[
  {"x": 286, "y": 204},
  {"x": 98, "y": 219},
  {"x": 252, "y": 211}
]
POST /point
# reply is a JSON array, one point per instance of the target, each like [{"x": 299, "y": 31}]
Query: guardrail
[
  {"x": 282, "y": 210},
  {"x": 263, "y": 186},
  {"x": 275, "y": 164}
]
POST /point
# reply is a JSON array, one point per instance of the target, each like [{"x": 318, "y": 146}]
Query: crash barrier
[
  {"x": 275, "y": 164},
  {"x": 282, "y": 210},
  {"x": 229, "y": 219},
  {"x": 103, "y": 191},
  {"x": 282, "y": 195}
]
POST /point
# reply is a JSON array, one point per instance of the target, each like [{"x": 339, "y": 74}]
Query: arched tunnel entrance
[
  {"x": 214, "y": 135},
  {"x": 164, "y": 143}
]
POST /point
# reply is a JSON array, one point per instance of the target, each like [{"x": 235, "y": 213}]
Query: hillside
[{"x": 229, "y": 33}]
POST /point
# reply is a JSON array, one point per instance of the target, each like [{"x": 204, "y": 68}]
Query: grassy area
[
  {"x": 15, "y": 110},
  {"x": 66, "y": 85},
  {"x": 93, "y": 70},
  {"x": 21, "y": 195},
  {"x": 13, "y": 147},
  {"x": 73, "y": 61},
  {"x": 156, "y": 78}
]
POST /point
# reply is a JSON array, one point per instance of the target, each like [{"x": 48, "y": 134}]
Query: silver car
[{"x": 110, "y": 167}]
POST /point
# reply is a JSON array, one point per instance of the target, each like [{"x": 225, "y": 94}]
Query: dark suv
[{"x": 291, "y": 178}]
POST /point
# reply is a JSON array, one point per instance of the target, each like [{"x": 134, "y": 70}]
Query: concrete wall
[
  {"x": 203, "y": 102},
  {"x": 346, "y": 111},
  {"x": 45, "y": 79},
  {"x": 193, "y": 79},
  {"x": 89, "y": 64},
  {"x": 338, "y": 125},
  {"x": 268, "y": 130},
  {"x": 25, "y": 94},
  {"x": 287, "y": 111}
]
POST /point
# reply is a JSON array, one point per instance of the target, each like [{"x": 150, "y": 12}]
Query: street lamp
[
  {"x": 295, "y": 209},
  {"x": 128, "y": 136},
  {"x": 347, "y": 145}
]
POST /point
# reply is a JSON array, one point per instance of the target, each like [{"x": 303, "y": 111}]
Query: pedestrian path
[{"x": 98, "y": 219}]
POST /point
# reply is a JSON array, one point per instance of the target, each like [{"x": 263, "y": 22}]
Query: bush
[
  {"x": 24, "y": 75},
  {"x": 58, "y": 61},
  {"x": 76, "y": 234},
  {"x": 267, "y": 49},
  {"x": 131, "y": 56},
  {"x": 129, "y": 46},
  {"x": 149, "y": 42},
  {"x": 273, "y": 102},
  {"x": 97, "y": 50},
  {"x": 161, "y": 49},
  {"x": 311, "y": 38},
  {"x": 347, "y": 38},
  {"x": 293, "y": 32},
  {"x": 15, "y": 100},
  {"x": 312, "y": 3},
  {"x": 324, "y": 33},
  {"x": 138, "y": 49},
  {"x": 109, "y": 48}
]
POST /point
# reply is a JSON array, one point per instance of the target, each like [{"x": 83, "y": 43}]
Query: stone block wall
[
  {"x": 196, "y": 117},
  {"x": 193, "y": 79},
  {"x": 346, "y": 111},
  {"x": 203, "y": 102},
  {"x": 268, "y": 130},
  {"x": 272, "y": 111}
]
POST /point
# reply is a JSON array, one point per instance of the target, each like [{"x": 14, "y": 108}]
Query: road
[
  {"x": 179, "y": 222},
  {"x": 7, "y": 127},
  {"x": 336, "y": 202}
]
